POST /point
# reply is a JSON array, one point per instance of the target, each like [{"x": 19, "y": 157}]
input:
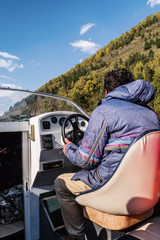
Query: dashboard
[
  {"x": 47, "y": 149},
  {"x": 54, "y": 123},
  {"x": 51, "y": 130}
]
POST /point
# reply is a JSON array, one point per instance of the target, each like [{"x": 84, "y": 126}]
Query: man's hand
[{"x": 64, "y": 146}]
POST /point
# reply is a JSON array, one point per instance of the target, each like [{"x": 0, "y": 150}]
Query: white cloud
[
  {"x": 7, "y": 55},
  {"x": 153, "y": 2},
  {"x": 86, "y": 27},
  {"x": 8, "y": 61},
  {"x": 8, "y": 85},
  {"x": 4, "y": 77},
  {"x": 14, "y": 66},
  {"x": 85, "y": 46}
]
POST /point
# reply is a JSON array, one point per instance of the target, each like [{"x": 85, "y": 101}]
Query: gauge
[
  {"x": 83, "y": 123},
  {"x": 61, "y": 120},
  {"x": 54, "y": 120},
  {"x": 46, "y": 124}
]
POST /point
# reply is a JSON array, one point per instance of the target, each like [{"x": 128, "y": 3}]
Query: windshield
[{"x": 20, "y": 105}]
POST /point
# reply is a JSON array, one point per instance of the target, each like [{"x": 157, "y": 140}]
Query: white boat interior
[{"x": 31, "y": 157}]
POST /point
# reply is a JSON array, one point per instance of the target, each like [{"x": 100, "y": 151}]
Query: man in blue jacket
[{"x": 123, "y": 114}]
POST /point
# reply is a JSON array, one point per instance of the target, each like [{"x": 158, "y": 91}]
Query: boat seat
[{"x": 133, "y": 190}]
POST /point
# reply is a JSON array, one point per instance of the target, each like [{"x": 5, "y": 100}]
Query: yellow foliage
[
  {"x": 138, "y": 69},
  {"x": 155, "y": 64},
  {"x": 121, "y": 66},
  {"x": 107, "y": 50}
]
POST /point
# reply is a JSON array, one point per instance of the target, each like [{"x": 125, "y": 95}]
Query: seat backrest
[{"x": 135, "y": 186}]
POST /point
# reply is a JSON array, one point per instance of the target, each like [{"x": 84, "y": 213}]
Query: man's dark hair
[{"x": 117, "y": 78}]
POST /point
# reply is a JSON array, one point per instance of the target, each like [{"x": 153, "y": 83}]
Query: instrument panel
[
  {"x": 49, "y": 139},
  {"x": 50, "y": 125},
  {"x": 54, "y": 123}
]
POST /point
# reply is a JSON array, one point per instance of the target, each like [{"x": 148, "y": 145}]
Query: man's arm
[{"x": 79, "y": 155}]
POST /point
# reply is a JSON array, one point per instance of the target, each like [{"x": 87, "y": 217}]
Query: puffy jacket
[{"x": 126, "y": 112}]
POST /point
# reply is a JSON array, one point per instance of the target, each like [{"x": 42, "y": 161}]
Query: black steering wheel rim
[{"x": 76, "y": 134}]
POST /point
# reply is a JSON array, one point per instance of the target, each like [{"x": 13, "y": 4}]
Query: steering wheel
[{"x": 76, "y": 134}]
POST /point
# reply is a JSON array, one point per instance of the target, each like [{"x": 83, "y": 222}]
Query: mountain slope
[{"x": 137, "y": 50}]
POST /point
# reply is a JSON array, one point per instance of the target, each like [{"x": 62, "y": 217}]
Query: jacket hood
[{"x": 139, "y": 91}]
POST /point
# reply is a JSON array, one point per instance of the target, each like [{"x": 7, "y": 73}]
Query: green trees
[
  {"x": 134, "y": 58},
  {"x": 157, "y": 42},
  {"x": 138, "y": 70},
  {"x": 147, "y": 45},
  {"x": 148, "y": 73}
]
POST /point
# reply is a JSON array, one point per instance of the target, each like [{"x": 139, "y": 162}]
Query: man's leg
[{"x": 66, "y": 191}]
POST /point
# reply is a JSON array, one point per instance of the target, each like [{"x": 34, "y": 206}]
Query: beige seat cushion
[{"x": 115, "y": 222}]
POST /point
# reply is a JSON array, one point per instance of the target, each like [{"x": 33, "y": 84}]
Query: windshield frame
[{"x": 43, "y": 94}]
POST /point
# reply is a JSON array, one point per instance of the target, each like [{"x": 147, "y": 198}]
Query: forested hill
[{"x": 137, "y": 50}]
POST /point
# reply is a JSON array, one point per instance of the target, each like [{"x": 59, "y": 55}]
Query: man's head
[{"x": 117, "y": 78}]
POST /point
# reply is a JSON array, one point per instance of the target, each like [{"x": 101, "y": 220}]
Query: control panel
[{"x": 47, "y": 148}]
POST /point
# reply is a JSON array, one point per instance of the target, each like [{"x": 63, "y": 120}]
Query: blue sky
[{"x": 42, "y": 39}]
